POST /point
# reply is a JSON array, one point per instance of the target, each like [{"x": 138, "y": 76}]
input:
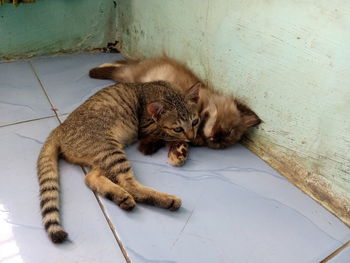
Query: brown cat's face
[
  {"x": 177, "y": 119},
  {"x": 226, "y": 122}
]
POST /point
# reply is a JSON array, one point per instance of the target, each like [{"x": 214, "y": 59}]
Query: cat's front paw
[
  {"x": 178, "y": 153},
  {"x": 147, "y": 149},
  {"x": 176, "y": 160},
  {"x": 149, "y": 146}
]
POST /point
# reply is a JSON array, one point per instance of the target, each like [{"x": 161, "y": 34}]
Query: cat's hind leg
[
  {"x": 105, "y": 72},
  {"x": 144, "y": 194},
  {"x": 119, "y": 73},
  {"x": 97, "y": 181},
  {"x": 115, "y": 166}
]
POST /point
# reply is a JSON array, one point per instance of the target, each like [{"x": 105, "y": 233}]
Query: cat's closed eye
[{"x": 195, "y": 122}]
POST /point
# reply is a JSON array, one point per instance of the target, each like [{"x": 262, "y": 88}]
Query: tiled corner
[
  {"x": 21, "y": 96},
  {"x": 22, "y": 236},
  {"x": 235, "y": 209},
  {"x": 66, "y": 78}
]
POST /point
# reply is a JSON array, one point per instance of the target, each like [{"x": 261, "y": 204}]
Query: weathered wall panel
[
  {"x": 288, "y": 60},
  {"x": 51, "y": 26}
]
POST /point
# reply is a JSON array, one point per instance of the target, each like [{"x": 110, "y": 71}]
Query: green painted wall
[
  {"x": 288, "y": 60},
  {"x": 52, "y": 26}
]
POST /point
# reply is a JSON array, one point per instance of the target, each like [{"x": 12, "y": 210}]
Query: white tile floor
[
  {"x": 235, "y": 207},
  {"x": 343, "y": 257}
]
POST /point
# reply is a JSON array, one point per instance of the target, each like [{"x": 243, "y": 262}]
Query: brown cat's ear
[
  {"x": 193, "y": 93},
  {"x": 249, "y": 118},
  {"x": 155, "y": 109}
]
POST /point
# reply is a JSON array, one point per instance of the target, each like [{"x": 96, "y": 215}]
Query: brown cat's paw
[
  {"x": 177, "y": 155},
  {"x": 147, "y": 149},
  {"x": 174, "y": 203},
  {"x": 150, "y": 146},
  {"x": 128, "y": 203}
]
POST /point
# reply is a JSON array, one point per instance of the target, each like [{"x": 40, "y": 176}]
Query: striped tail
[{"x": 48, "y": 176}]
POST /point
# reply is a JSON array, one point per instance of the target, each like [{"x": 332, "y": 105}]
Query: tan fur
[
  {"x": 162, "y": 68},
  {"x": 177, "y": 154},
  {"x": 95, "y": 134},
  {"x": 108, "y": 65},
  {"x": 223, "y": 119}
]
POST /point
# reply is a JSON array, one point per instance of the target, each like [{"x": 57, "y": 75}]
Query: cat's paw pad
[
  {"x": 128, "y": 203},
  {"x": 174, "y": 203}
]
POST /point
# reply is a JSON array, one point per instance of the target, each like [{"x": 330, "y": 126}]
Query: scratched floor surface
[{"x": 235, "y": 207}]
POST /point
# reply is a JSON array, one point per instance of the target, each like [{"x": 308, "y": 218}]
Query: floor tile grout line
[
  {"x": 97, "y": 198},
  {"x": 336, "y": 252},
  {"x": 25, "y": 121},
  {"x": 42, "y": 87},
  {"x": 108, "y": 220},
  {"x": 110, "y": 224},
  {"x": 112, "y": 228}
]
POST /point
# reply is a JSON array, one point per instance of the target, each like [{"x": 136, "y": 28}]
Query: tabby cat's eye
[
  {"x": 195, "y": 122},
  {"x": 178, "y": 129}
]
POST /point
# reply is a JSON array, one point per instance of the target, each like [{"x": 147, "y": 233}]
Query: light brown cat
[
  {"x": 95, "y": 134},
  {"x": 223, "y": 118}
]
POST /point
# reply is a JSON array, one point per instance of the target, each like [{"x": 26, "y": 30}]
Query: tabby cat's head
[{"x": 177, "y": 115}]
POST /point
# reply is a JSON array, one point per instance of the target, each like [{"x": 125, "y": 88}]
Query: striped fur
[
  {"x": 49, "y": 187},
  {"x": 224, "y": 118},
  {"x": 95, "y": 135}
]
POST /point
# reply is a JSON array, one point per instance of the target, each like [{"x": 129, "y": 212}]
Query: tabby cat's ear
[
  {"x": 193, "y": 93},
  {"x": 155, "y": 109}
]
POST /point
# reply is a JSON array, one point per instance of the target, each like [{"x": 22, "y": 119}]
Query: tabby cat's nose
[{"x": 190, "y": 135}]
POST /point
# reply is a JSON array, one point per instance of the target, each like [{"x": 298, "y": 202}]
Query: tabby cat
[
  {"x": 223, "y": 118},
  {"x": 95, "y": 134}
]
